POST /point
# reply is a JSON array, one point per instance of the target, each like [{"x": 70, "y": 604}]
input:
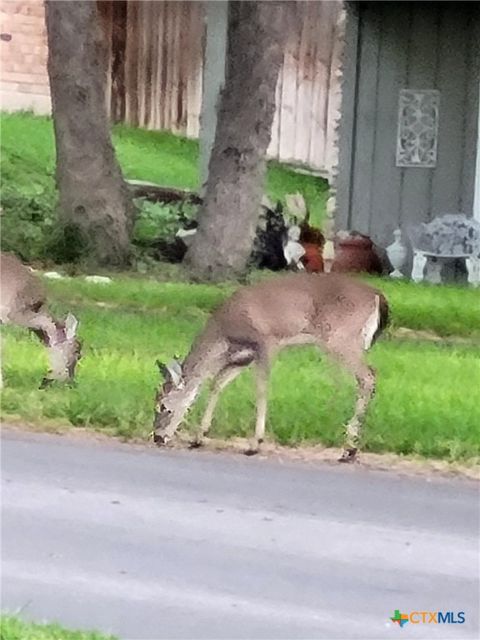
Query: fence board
[{"x": 156, "y": 55}]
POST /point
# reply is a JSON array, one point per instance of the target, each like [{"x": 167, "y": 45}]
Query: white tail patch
[{"x": 371, "y": 325}]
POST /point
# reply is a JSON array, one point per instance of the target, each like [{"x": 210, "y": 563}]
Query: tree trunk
[
  {"x": 96, "y": 212},
  {"x": 228, "y": 218}
]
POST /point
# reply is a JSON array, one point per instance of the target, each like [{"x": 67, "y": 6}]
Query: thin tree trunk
[
  {"x": 96, "y": 213},
  {"x": 228, "y": 218}
]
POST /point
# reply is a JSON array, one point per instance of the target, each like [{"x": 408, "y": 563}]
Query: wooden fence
[{"x": 156, "y": 54}]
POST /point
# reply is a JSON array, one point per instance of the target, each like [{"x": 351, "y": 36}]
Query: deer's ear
[
  {"x": 176, "y": 373},
  {"x": 171, "y": 371},
  {"x": 162, "y": 368},
  {"x": 71, "y": 326}
]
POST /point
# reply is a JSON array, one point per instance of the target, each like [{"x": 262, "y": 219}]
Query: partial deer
[
  {"x": 23, "y": 303},
  {"x": 342, "y": 316}
]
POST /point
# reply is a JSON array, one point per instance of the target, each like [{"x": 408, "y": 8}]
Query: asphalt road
[{"x": 176, "y": 544}]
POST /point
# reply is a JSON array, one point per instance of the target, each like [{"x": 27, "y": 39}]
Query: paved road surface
[{"x": 171, "y": 544}]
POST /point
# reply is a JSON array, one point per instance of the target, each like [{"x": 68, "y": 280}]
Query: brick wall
[{"x": 23, "y": 51}]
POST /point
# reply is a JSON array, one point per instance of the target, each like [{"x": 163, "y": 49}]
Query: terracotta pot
[
  {"x": 311, "y": 235},
  {"x": 355, "y": 254},
  {"x": 312, "y": 260}
]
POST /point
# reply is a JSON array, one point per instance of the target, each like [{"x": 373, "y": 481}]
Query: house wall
[
  {"x": 414, "y": 45},
  {"x": 23, "y": 51}
]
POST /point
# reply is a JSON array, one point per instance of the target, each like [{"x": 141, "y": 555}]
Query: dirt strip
[{"x": 391, "y": 462}]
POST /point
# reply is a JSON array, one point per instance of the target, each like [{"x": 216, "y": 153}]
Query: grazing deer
[
  {"x": 22, "y": 303},
  {"x": 341, "y": 316}
]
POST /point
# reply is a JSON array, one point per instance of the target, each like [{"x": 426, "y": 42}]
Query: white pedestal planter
[
  {"x": 293, "y": 250},
  {"x": 397, "y": 254}
]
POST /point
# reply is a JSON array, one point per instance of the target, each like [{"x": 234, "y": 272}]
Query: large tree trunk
[
  {"x": 228, "y": 218},
  {"x": 95, "y": 208}
]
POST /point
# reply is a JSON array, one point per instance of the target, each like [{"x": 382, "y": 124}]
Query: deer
[
  {"x": 342, "y": 316},
  {"x": 23, "y": 303}
]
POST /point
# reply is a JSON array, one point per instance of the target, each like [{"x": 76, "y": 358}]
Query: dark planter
[
  {"x": 356, "y": 254},
  {"x": 312, "y": 260}
]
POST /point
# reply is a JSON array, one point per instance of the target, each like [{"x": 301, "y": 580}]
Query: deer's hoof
[
  {"x": 160, "y": 441},
  {"x": 196, "y": 444},
  {"x": 348, "y": 455},
  {"x": 254, "y": 447}
]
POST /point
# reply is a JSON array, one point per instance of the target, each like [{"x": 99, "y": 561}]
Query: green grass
[
  {"x": 427, "y": 399},
  {"x": 12, "y": 628},
  {"x": 28, "y": 176},
  {"x": 447, "y": 310},
  {"x": 427, "y": 394}
]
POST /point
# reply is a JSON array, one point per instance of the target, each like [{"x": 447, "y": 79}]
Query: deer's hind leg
[
  {"x": 351, "y": 353},
  {"x": 352, "y": 361},
  {"x": 1, "y": 362},
  {"x": 365, "y": 382},
  {"x": 223, "y": 379}
]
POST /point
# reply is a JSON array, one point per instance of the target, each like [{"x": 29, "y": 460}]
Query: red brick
[
  {"x": 8, "y": 86},
  {"x": 39, "y": 89},
  {"x": 8, "y": 7},
  {"x": 24, "y": 77}
]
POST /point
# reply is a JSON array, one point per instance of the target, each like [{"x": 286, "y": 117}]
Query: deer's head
[
  {"x": 64, "y": 350},
  {"x": 172, "y": 401}
]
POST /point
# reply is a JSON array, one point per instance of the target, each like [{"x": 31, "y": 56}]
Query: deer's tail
[{"x": 383, "y": 317}]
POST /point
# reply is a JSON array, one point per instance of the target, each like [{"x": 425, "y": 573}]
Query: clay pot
[
  {"x": 312, "y": 260},
  {"x": 354, "y": 254},
  {"x": 311, "y": 235}
]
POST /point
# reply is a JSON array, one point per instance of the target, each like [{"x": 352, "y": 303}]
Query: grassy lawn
[
  {"x": 427, "y": 393},
  {"x": 28, "y": 175},
  {"x": 12, "y": 628},
  {"x": 427, "y": 397}
]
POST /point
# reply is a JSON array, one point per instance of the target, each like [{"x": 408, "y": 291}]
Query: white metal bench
[{"x": 447, "y": 237}]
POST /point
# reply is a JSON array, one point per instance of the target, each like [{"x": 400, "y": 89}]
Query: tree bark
[
  {"x": 228, "y": 218},
  {"x": 96, "y": 212}
]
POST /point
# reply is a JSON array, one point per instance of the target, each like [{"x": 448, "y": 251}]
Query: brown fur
[
  {"x": 341, "y": 315},
  {"x": 23, "y": 303}
]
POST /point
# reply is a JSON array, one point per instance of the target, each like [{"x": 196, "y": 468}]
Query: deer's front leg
[
  {"x": 223, "y": 379},
  {"x": 44, "y": 327}
]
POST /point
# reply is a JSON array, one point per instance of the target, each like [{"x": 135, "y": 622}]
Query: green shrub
[
  {"x": 160, "y": 221},
  {"x": 29, "y": 195},
  {"x": 28, "y": 221}
]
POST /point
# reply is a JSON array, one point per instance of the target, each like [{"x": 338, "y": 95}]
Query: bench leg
[
  {"x": 419, "y": 262},
  {"x": 473, "y": 269},
  {"x": 434, "y": 271}
]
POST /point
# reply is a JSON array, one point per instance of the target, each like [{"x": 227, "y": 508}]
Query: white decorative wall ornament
[{"x": 417, "y": 133}]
